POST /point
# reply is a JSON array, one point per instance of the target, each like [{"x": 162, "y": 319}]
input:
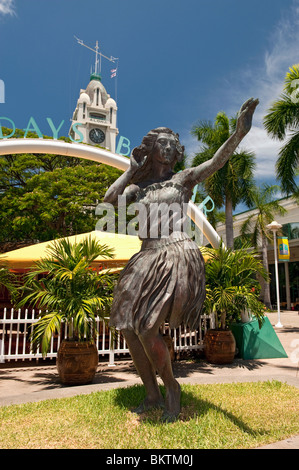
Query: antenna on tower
[{"x": 98, "y": 62}]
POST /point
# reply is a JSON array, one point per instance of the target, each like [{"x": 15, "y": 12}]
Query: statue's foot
[
  {"x": 172, "y": 404},
  {"x": 147, "y": 405},
  {"x": 169, "y": 417}
]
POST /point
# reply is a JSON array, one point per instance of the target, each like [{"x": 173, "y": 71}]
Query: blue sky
[{"x": 180, "y": 61}]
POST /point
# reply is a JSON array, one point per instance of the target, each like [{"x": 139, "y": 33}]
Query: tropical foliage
[
  {"x": 8, "y": 280},
  {"x": 231, "y": 184},
  {"x": 66, "y": 289},
  {"x": 255, "y": 229},
  {"x": 231, "y": 284},
  {"x": 43, "y": 197},
  {"x": 282, "y": 122}
]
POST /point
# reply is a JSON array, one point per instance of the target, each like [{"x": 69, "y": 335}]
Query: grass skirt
[{"x": 165, "y": 280}]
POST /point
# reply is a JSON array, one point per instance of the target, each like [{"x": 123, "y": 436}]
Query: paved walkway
[{"x": 33, "y": 382}]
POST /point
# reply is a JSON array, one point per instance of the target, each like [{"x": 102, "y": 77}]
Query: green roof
[{"x": 95, "y": 76}]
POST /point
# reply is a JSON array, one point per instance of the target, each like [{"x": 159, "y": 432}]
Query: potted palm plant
[
  {"x": 231, "y": 288},
  {"x": 70, "y": 294}
]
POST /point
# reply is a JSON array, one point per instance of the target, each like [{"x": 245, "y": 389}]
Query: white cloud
[
  {"x": 265, "y": 149},
  {"x": 265, "y": 82},
  {"x": 7, "y": 7}
]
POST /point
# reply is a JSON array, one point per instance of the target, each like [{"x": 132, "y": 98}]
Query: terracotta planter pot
[
  {"x": 219, "y": 346},
  {"x": 77, "y": 362}
]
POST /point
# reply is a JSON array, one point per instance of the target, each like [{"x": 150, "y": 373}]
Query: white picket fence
[{"x": 16, "y": 326}]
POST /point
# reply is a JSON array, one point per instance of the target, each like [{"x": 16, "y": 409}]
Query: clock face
[{"x": 97, "y": 136}]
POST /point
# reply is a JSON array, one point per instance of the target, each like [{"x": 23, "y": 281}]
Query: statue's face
[{"x": 165, "y": 149}]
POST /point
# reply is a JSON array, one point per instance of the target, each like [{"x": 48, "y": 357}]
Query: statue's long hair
[{"x": 146, "y": 148}]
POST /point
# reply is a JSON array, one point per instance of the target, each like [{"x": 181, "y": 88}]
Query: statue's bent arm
[{"x": 192, "y": 176}]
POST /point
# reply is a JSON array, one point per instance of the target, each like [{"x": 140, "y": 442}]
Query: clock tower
[{"x": 95, "y": 116}]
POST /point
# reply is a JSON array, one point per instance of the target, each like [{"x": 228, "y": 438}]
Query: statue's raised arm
[{"x": 204, "y": 170}]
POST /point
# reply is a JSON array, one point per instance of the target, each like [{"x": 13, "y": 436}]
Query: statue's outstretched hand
[{"x": 244, "y": 121}]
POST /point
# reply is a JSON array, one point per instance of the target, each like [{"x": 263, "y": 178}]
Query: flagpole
[
  {"x": 114, "y": 73},
  {"x": 275, "y": 226},
  {"x": 116, "y": 81}
]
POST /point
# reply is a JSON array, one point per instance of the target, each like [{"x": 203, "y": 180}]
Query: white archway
[{"x": 88, "y": 152}]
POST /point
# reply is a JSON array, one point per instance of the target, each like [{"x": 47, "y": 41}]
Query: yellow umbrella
[{"x": 124, "y": 246}]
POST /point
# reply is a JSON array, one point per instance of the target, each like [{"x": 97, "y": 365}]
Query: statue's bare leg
[
  {"x": 146, "y": 371},
  {"x": 158, "y": 353}
]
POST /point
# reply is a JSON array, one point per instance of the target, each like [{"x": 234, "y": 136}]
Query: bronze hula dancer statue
[{"x": 165, "y": 280}]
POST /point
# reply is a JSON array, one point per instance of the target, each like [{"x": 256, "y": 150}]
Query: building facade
[
  {"x": 288, "y": 269},
  {"x": 95, "y": 116}
]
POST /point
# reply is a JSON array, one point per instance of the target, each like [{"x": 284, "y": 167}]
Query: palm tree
[
  {"x": 255, "y": 229},
  {"x": 231, "y": 184},
  {"x": 66, "y": 289},
  {"x": 283, "y": 119}
]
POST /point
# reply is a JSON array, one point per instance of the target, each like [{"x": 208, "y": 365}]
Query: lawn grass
[{"x": 227, "y": 416}]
